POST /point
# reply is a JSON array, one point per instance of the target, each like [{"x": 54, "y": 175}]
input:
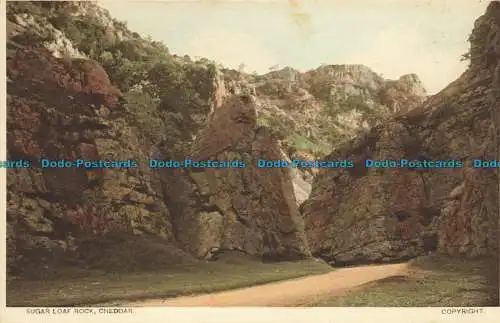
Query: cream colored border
[
  {"x": 214, "y": 315},
  {"x": 264, "y": 315}
]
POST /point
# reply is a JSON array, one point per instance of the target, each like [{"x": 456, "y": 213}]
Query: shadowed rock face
[
  {"x": 231, "y": 124},
  {"x": 51, "y": 211},
  {"x": 355, "y": 215},
  {"x": 54, "y": 213},
  {"x": 37, "y": 69},
  {"x": 243, "y": 209},
  {"x": 365, "y": 215}
]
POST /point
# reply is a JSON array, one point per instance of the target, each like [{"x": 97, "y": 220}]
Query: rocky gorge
[
  {"x": 368, "y": 215},
  {"x": 69, "y": 100}
]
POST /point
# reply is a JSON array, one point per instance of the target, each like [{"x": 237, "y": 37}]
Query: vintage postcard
[{"x": 251, "y": 161}]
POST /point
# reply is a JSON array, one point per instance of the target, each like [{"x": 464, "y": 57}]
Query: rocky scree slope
[{"x": 365, "y": 215}]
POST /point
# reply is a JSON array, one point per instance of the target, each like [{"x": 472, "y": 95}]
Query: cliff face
[
  {"x": 68, "y": 109},
  {"x": 52, "y": 212},
  {"x": 130, "y": 100},
  {"x": 315, "y": 111},
  {"x": 366, "y": 214},
  {"x": 250, "y": 210}
]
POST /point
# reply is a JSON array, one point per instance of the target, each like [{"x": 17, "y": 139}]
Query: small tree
[{"x": 465, "y": 57}]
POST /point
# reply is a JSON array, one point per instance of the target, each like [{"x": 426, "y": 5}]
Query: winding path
[{"x": 288, "y": 293}]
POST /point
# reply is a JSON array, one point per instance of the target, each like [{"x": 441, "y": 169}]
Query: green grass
[
  {"x": 300, "y": 142},
  {"x": 433, "y": 281},
  {"x": 97, "y": 287}
]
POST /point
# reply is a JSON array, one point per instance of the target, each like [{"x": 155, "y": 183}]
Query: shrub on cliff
[
  {"x": 320, "y": 87},
  {"x": 23, "y": 7},
  {"x": 167, "y": 97},
  {"x": 298, "y": 142},
  {"x": 31, "y": 37},
  {"x": 143, "y": 112},
  {"x": 181, "y": 88}
]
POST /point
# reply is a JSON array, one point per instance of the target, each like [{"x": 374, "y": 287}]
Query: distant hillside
[{"x": 315, "y": 111}]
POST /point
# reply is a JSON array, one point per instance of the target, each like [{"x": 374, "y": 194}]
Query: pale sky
[{"x": 392, "y": 37}]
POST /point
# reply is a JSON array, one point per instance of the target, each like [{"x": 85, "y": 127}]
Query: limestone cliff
[
  {"x": 315, "y": 111},
  {"x": 368, "y": 215},
  {"x": 83, "y": 86},
  {"x": 92, "y": 105},
  {"x": 51, "y": 212},
  {"x": 246, "y": 209}
]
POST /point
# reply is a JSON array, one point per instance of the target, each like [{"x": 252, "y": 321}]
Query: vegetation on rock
[{"x": 82, "y": 85}]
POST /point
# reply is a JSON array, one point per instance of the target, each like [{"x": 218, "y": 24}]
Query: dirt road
[{"x": 287, "y": 293}]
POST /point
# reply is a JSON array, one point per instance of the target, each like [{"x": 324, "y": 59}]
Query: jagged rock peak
[
  {"x": 412, "y": 84},
  {"x": 356, "y": 70}
]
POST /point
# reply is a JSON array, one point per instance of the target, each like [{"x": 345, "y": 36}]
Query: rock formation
[
  {"x": 329, "y": 103},
  {"x": 50, "y": 117},
  {"x": 248, "y": 209},
  {"x": 74, "y": 215},
  {"x": 64, "y": 105},
  {"x": 370, "y": 215}
]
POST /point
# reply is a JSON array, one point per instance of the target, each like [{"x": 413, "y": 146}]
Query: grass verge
[
  {"x": 432, "y": 281},
  {"x": 97, "y": 287}
]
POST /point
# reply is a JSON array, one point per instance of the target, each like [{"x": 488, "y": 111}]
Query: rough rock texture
[
  {"x": 301, "y": 180},
  {"x": 315, "y": 111},
  {"x": 68, "y": 109},
  {"x": 81, "y": 79},
  {"x": 404, "y": 94},
  {"x": 59, "y": 45},
  {"x": 50, "y": 117},
  {"x": 250, "y": 210},
  {"x": 366, "y": 215},
  {"x": 58, "y": 215},
  {"x": 319, "y": 109}
]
